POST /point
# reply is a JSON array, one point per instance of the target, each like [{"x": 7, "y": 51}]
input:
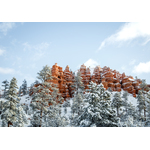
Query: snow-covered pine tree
[
  {"x": 31, "y": 87},
  {"x": 77, "y": 106},
  {"x": 10, "y": 107},
  {"x": 144, "y": 86},
  {"x": 25, "y": 108},
  {"x": 1, "y": 106},
  {"x": 6, "y": 86},
  {"x": 147, "y": 122},
  {"x": 41, "y": 97},
  {"x": 24, "y": 87},
  {"x": 129, "y": 122},
  {"x": 45, "y": 99},
  {"x": 125, "y": 100},
  {"x": 21, "y": 117},
  {"x": 117, "y": 102},
  {"x": 130, "y": 111},
  {"x": 97, "y": 112},
  {"x": 78, "y": 85},
  {"x": 55, "y": 119},
  {"x": 109, "y": 90},
  {"x": 141, "y": 103},
  {"x": 144, "y": 89},
  {"x": 65, "y": 109}
]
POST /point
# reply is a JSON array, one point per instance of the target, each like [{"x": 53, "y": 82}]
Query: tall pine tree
[
  {"x": 6, "y": 86},
  {"x": 43, "y": 98},
  {"x": 97, "y": 111},
  {"x": 117, "y": 102},
  {"x": 11, "y": 108},
  {"x": 24, "y": 87}
]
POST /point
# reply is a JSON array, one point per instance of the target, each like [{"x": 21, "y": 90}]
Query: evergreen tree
[
  {"x": 129, "y": 122},
  {"x": 76, "y": 108},
  {"x": 41, "y": 97},
  {"x": 125, "y": 100},
  {"x": 10, "y": 107},
  {"x": 24, "y": 87},
  {"x": 144, "y": 86},
  {"x": 44, "y": 99},
  {"x": 97, "y": 111},
  {"x": 131, "y": 111},
  {"x": 21, "y": 117},
  {"x": 128, "y": 113},
  {"x": 144, "y": 89},
  {"x": 117, "y": 102},
  {"x": 6, "y": 86},
  {"x": 65, "y": 109},
  {"x": 78, "y": 85},
  {"x": 109, "y": 90},
  {"x": 25, "y": 108},
  {"x": 78, "y": 104},
  {"x": 1, "y": 106},
  {"x": 55, "y": 119},
  {"x": 141, "y": 104},
  {"x": 148, "y": 106}
]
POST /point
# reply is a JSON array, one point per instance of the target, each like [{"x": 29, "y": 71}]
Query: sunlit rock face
[
  {"x": 63, "y": 80},
  {"x": 111, "y": 79}
]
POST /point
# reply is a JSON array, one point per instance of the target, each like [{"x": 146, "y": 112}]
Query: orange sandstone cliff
[{"x": 109, "y": 78}]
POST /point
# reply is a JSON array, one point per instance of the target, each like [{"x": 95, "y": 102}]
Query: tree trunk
[
  {"x": 9, "y": 123},
  {"x": 144, "y": 114},
  {"x": 117, "y": 111},
  {"x": 41, "y": 120}
]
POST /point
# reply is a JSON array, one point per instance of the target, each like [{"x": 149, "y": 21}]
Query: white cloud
[
  {"x": 128, "y": 32},
  {"x": 92, "y": 63},
  {"x": 142, "y": 68},
  {"x": 39, "y": 50},
  {"x": 5, "y": 26},
  {"x": 26, "y": 46},
  {"x": 2, "y": 52},
  {"x": 146, "y": 42},
  {"x": 132, "y": 62},
  {"x": 6, "y": 70}
]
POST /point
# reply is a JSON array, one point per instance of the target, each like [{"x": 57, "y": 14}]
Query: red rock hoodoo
[
  {"x": 63, "y": 80},
  {"x": 109, "y": 78}
]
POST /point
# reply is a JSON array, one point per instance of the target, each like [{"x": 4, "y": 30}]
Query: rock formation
[{"x": 111, "y": 79}]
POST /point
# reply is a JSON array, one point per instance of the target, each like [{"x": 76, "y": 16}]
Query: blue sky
[{"x": 26, "y": 47}]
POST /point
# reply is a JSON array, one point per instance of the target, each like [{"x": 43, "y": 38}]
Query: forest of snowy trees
[{"x": 43, "y": 106}]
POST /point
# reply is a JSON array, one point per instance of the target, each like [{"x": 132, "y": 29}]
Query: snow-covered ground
[{"x": 25, "y": 99}]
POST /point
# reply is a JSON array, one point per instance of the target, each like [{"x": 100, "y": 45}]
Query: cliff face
[
  {"x": 109, "y": 78},
  {"x": 63, "y": 80}
]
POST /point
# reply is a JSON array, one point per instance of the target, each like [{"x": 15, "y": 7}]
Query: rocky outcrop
[
  {"x": 86, "y": 75},
  {"x": 63, "y": 80},
  {"x": 109, "y": 78}
]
